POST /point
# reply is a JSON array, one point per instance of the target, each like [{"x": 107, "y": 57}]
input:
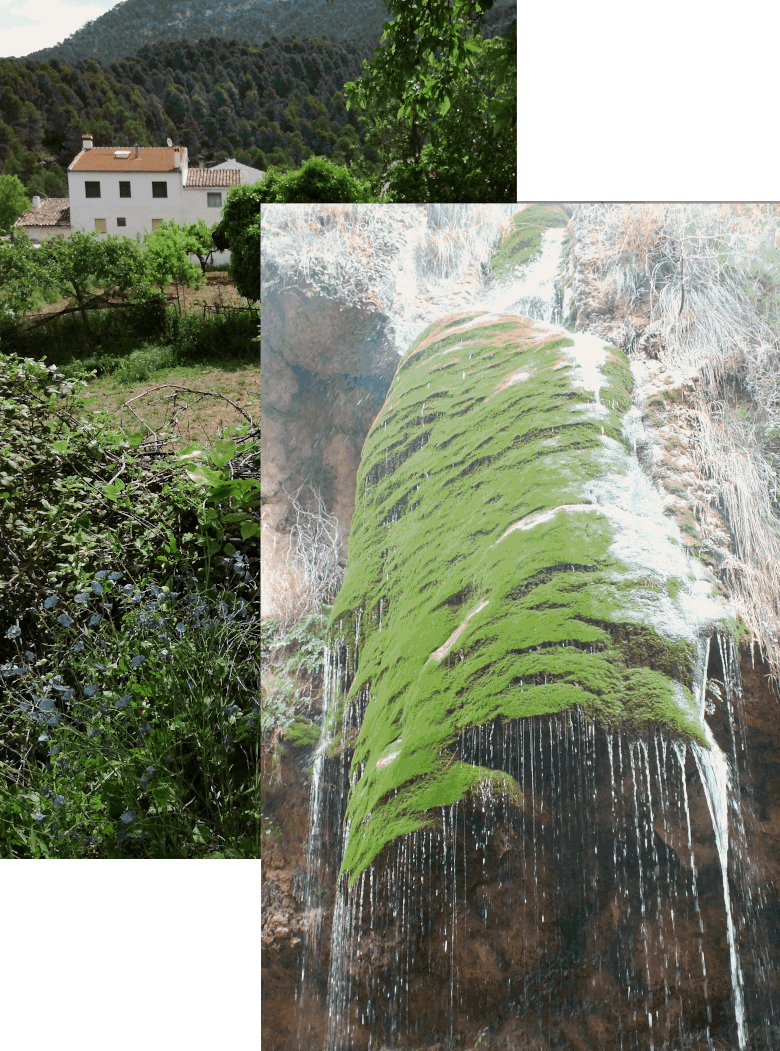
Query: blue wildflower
[
  {"x": 13, "y": 632},
  {"x": 122, "y": 702},
  {"x": 81, "y": 598},
  {"x": 52, "y": 600},
  {"x": 97, "y": 588},
  {"x": 38, "y": 816},
  {"x": 138, "y": 659},
  {"x": 77, "y": 647},
  {"x": 95, "y": 620},
  {"x": 115, "y": 575},
  {"x": 58, "y": 801},
  {"x": 91, "y": 690},
  {"x": 65, "y": 620},
  {"x": 128, "y": 817},
  {"x": 101, "y": 574}
]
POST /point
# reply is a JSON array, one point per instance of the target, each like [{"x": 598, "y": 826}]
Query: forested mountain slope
[
  {"x": 119, "y": 32},
  {"x": 218, "y": 98}
]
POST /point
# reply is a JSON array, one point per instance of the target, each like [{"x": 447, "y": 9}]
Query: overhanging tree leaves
[{"x": 432, "y": 58}]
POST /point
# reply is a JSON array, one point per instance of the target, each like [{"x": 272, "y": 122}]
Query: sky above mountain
[{"x": 29, "y": 25}]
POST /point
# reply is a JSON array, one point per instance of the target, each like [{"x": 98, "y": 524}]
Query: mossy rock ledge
[{"x": 508, "y": 559}]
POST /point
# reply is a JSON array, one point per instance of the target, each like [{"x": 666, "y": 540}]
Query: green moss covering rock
[{"x": 505, "y": 562}]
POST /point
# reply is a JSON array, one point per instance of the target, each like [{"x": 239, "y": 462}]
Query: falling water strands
[{"x": 714, "y": 773}]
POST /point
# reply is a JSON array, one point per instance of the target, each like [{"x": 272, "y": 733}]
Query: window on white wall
[
  {"x": 124, "y": 189},
  {"x": 92, "y": 189},
  {"x": 213, "y": 200},
  {"x": 159, "y": 189},
  {"x": 100, "y": 226},
  {"x": 156, "y": 223},
  {"x": 121, "y": 222}
]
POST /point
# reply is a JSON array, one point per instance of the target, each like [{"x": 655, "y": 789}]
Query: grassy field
[{"x": 139, "y": 382}]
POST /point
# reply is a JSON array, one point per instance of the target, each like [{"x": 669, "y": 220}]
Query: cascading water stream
[{"x": 713, "y": 769}]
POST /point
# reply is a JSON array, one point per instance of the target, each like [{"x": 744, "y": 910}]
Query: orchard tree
[
  {"x": 166, "y": 254},
  {"x": 13, "y": 201},
  {"x": 239, "y": 232},
  {"x": 201, "y": 242},
  {"x": 21, "y": 274},
  {"x": 115, "y": 263}
]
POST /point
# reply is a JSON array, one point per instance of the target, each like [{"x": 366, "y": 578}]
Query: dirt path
[{"x": 157, "y": 406}]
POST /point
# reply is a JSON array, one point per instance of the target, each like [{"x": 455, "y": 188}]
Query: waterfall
[
  {"x": 587, "y": 899},
  {"x": 534, "y": 291},
  {"x": 715, "y": 778}
]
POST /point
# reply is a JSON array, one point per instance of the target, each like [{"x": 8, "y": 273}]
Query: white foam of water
[{"x": 714, "y": 772}]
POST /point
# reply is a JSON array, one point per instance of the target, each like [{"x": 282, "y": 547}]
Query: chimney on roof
[
  {"x": 176, "y": 159},
  {"x": 86, "y": 141},
  {"x": 135, "y": 144},
  {"x": 36, "y": 202}
]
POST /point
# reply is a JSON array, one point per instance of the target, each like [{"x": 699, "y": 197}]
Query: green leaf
[
  {"x": 249, "y": 529},
  {"x": 222, "y": 451},
  {"x": 444, "y": 106},
  {"x": 192, "y": 452},
  {"x": 204, "y": 475},
  {"x": 60, "y": 447}
]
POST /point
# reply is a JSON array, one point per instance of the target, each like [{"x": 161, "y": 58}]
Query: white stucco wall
[
  {"x": 42, "y": 233},
  {"x": 183, "y": 204}
]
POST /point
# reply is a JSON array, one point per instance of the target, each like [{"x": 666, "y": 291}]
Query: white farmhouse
[{"x": 132, "y": 190}]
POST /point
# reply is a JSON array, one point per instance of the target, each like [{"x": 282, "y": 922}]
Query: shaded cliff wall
[{"x": 344, "y": 289}]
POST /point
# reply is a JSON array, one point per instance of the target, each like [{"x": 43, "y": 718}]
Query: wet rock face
[
  {"x": 286, "y": 925},
  {"x": 591, "y": 916}
]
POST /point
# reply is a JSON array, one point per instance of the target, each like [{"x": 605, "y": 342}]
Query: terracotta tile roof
[
  {"x": 149, "y": 159},
  {"x": 54, "y": 211},
  {"x": 213, "y": 177}
]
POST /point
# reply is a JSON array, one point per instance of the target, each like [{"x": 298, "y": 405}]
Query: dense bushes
[{"x": 82, "y": 508}]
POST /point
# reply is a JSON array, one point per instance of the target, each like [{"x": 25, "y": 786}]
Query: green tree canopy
[
  {"x": 316, "y": 180},
  {"x": 13, "y": 201},
  {"x": 239, "y": 231},
  {"x": 166, "y": 251}
]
